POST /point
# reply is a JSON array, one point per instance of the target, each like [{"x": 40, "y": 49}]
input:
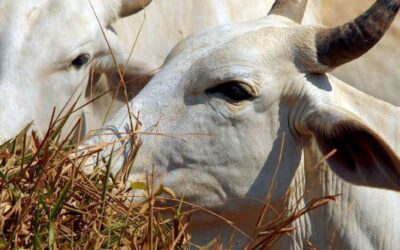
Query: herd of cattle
[{"x": 227, "y": 105}]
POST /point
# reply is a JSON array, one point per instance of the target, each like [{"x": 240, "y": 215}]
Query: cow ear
[
  {"x": 130, "y": 7},
  {"x": 362, "y": 157}
]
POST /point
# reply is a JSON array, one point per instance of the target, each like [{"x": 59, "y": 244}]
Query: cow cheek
[
  {"x": 15, "y": 111},
  {"x": 58, "y": 90}
]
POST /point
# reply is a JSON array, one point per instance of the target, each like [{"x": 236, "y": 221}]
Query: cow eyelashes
[
  {"x": 80, "y": 61},
  {"x": 234, "y": 90}
]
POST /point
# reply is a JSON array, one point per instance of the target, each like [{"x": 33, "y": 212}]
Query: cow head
[
  {"x": 231, "y": 104},
  {"x": 46, "y": 49}
]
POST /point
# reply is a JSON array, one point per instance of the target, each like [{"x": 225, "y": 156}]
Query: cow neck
[{"x": 356, "y": 219}]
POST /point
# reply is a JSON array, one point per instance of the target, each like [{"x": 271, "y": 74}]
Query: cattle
[
  {"x": 46, "y": 49},
  {"x": 170, "y": 22},
  {"x": 148, "y": 54},
  {"x": 158, "y": 24},
  {"x": 248, "y": 109}
]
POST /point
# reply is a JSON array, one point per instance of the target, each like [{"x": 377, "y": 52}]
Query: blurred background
[{"x": 378, "y": 71}]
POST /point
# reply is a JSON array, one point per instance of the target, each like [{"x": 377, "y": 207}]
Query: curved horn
[
  {"x": 130, "y": 7},
  {"x": 345, "y": 43},
  {"x": 292, "y": 9}
]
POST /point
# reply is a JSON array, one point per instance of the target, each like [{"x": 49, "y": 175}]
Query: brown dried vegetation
[{"x": 47, "y": 201}]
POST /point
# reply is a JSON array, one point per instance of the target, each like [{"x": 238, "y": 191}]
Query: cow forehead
[
  {"x": 31, "y": 12},
  {"x": 210, "y": 39},
  {"x": 57, "y": 26},
  {"x": 223, "y": 47}
]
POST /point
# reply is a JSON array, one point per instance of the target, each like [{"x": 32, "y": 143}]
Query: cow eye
[
  {"x": 80, "y": 60},
  {"x": 234, "y": 90}
]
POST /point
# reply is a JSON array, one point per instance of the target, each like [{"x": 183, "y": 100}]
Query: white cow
[
  {"x": 234, "y": 92},
  {"x": 171, "y": 21},
  {"x": 151, "y": 36},
  {"x": 46, "y": 48}
]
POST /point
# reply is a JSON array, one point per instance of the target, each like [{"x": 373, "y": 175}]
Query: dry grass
[{"x": 48, "y": 201}]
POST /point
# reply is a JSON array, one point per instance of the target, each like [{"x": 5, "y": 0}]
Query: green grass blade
[
  {"x": 60, "y": 201},
  {"x": 107, "y": 176},
  {"x": 43, "y": 203},
  {"x": 36, "y": 238},
  {"x": 52, "y": 236},
  {"x": 23, "y": 151}
]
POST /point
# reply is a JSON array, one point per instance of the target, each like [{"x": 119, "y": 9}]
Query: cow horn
[
  {"x": 130, "y": 7},
  {"x": 292, "y": 9},
  {"x": 340, "y": 45}
]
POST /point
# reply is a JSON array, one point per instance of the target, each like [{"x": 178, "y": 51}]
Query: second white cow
[
  {"x": 48, "y": 47},
  {"x": 46, "y": 50}
]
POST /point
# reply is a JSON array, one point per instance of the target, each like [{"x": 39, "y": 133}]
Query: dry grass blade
[
  {"x": 47, "y": 202},
  {"x": 270, "y": 233}
]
